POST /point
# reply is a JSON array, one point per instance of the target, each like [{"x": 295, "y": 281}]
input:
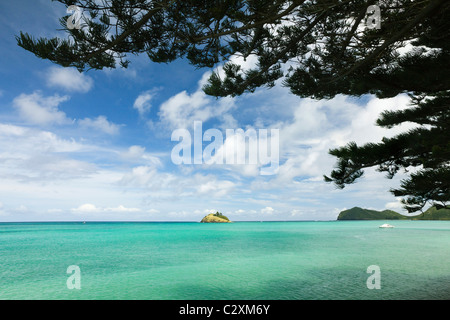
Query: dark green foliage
[
  {"x": 316, "y": 48},
  {"x": 433, "y": 213},
  {"x": 220, "y": 215},
  {"x": 426, "y": 148},
  {"x": 324, "y": 42},
  {"x": 356, "y": 213}
]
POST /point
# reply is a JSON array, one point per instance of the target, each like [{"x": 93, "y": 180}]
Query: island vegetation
[
  {"x": 215, "y": 217},
  {"x": 358, "y": 213}
]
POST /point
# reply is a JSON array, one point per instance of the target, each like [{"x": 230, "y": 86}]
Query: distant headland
[
  {"x": 358, "y": 213},
  {"x": 215, "y": 217}
]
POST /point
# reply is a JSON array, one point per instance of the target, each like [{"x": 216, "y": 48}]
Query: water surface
[{"x": 241, "y": 260}]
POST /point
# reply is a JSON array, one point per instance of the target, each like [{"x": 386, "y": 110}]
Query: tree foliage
[
  {"x": 220, "y": 215},
  {"x": 425, "y": 150},
  {"x": 317, "y": 48}
]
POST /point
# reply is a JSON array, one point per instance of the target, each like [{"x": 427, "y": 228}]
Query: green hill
[
  {"x": 357, "y": 213},
  {"x": 433, "y": 214}
]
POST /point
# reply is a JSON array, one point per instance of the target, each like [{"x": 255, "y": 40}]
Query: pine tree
[
  {"x": 426, "y": 147},
  {"x": 318, "y": 48}
]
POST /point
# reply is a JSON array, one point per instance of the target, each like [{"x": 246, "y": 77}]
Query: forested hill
[{"x": 357, "y": 213}]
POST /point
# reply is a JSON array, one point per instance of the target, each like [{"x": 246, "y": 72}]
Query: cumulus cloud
[
  {"x": 87, "y": 207},
  {"x": 395, "y": 205},
  {"x": 134, "y": 152},
  {"x": 169, "y": 185},
  {"x": 91, "y": 208},
  {"x": 37, "y": 109},
  {"x": 267, "y": 210},
  {"x": 137, "y": 154},
  {"x": 250, "y": 152},
  {"x": 100, "y": 123},
  {"x": 318, "y": 126},
  {"x": 68, "y": 79},
  {"x": 181, "y": 110},
  {"x": 23, "y": 140},
  {"x": 143, "y": 176},
  {"x": 307, "y": 130},
  {"x": 142, "y": 102},
  {"x": 216, "y": 188},
  {"x": 30, "y": 155}
]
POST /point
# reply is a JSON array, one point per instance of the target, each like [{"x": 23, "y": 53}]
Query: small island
[
  {"x": 357, "y": 213},
  {"x": 215, "y": 217}
]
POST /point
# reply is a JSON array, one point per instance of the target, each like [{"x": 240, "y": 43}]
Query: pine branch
[
  {"x": 128, "y": 32},
  {"x": 398, "y": 36}
]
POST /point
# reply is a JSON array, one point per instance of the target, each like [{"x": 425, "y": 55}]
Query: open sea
[{"x": 324, "y": 260}]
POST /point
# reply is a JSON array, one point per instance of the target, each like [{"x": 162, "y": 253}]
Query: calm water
[{"x": 242, "y": 260}]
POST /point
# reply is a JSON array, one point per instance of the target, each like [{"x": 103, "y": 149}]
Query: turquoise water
[{"x": 241, "y": 260}]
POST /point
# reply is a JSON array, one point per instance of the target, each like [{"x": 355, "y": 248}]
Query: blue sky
[{"x": 97, "y": 145}]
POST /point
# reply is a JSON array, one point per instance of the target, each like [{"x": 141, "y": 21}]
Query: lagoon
[{"x": 298, "y": 260}]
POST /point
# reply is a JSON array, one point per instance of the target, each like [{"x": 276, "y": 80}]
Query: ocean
[{"x": 304, "y": 260}]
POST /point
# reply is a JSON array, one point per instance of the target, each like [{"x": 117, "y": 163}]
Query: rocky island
[{"x": 215, "y": 217}]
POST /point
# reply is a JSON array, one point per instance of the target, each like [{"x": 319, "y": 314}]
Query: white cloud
[
  {"x": 245, "y": 151},
  {"x": 68, "y": 79},
  {"x": 134, "y": 152},
  {"x": 395, "y": 205},
  {"x": 181, "y": 110},
  {"x": 28, "y": 154},
  {"x": 122, "y": 208},
  {"x": 37, "y": 164},
  {"x": 51, "y": 175},
  {"x": 146, "y": 176},
  {"x": 51, "y": 167},
  {"x": 137, "y": 154},
  {"x": 37, "y": 109},
  {"x": 215, "y": 188},
  {"x": 267, "y": 210},
  {"x": 90, "y": 208},
  {"x": 164, "y": 185},
  {"x": 318, "y": 126},
  {"x": 100, "y": 123},
  {"x": 23, "y": 140},
  {"x": 41, "y": 110},
  {"x": 142, "y": 102}
]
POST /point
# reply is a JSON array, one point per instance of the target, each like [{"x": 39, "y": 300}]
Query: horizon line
[{"x": 150, "y": 221}]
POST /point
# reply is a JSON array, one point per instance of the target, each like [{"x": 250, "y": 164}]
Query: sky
[{"x": 98, "y": 146}]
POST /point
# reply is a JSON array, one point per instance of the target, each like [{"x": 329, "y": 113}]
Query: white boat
[{"x": 386, "y": 225}]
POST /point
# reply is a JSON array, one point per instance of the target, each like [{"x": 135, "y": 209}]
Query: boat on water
[{"x": 386, "y": 225}]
